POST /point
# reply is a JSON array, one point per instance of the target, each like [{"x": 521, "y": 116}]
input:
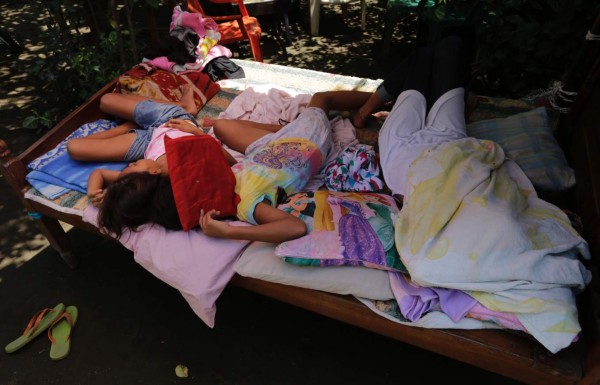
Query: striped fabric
[{"x": 526, "y": 138}]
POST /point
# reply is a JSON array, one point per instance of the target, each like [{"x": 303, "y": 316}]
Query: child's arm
[
  {"x": 98, "y": 179},
  {"x": 274, "y": 226},
  {"x": 339, "y": 100},
  {"x": 185, "y": 125}
]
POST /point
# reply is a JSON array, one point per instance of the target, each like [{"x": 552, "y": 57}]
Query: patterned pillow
[
  {"x": 526, "y": 138},
  {"x": 345, "y": 228}
]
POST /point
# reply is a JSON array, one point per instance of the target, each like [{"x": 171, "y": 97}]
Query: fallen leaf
[{"x": 181, "y": 371}]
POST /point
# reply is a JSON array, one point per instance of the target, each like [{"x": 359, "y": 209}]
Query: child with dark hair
[{"x": 136, "y": 199}]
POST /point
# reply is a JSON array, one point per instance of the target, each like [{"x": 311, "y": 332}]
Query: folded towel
[{"x": 55, "y": 173}]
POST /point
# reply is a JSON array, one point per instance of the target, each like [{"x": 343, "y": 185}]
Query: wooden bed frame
[{"x": 508, "y": 354}]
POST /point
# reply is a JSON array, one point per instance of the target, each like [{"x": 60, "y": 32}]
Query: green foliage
[
  {"x": 526, "y": 44},
  {"x": 75, "y": 62},
  {"x": 75, "y": 69},
  {"x": 43, "y": 121},
  {"x": 96, "y": 66}
]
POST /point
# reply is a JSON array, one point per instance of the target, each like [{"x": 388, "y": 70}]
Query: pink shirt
[{"x": 156, "y": 147}]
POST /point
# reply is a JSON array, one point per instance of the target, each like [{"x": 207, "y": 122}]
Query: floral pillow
[{"x": 345, "y": 228}]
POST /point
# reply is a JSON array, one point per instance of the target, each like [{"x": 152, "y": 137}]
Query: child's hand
[
  {"x": 185, "y": 126},
  {"x": 213, "y": 227},
  {"x": 96, "y": 197}
]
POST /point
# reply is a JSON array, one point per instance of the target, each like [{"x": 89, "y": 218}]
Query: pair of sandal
[{"x": 59, "y": 322}]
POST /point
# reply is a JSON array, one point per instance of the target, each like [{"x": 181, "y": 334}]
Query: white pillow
[
  {"x": 198, "y": 266},
  {"x": 259, "y": 261}
]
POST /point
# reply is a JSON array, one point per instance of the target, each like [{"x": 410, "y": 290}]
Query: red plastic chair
[{"x": 234, "y": 28}]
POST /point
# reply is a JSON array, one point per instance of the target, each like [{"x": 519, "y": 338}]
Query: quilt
[{"x": 472, "y": 221}]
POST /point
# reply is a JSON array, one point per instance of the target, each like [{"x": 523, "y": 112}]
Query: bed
[{"x": 513, "y": 354}]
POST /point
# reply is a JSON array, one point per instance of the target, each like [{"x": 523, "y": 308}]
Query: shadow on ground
[{"x": 135, "y": 329}]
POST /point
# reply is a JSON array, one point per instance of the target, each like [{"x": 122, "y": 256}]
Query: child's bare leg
[
  {"x": 187, "y": 101},
  {"x": 261, "y": 126},
  {"x": 80, "y": 148},
  {"x": 239, "y": 134},
  {"x": 115, "y": 131},
  {"x": 107, "y": 149},
  {"x": 123, "y": 105},
  {"x": 120, "y": 105}
]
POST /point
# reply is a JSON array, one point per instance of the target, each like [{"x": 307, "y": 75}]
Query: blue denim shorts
[{"x": 149, "y": 115}]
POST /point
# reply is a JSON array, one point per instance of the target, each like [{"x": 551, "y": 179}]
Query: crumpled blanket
[
  {"x": 55, "y": 173},
  {"x": 414, "y": 300},
  {"x": 472, "y": 221},
  {"x": 266, "y": 104}
]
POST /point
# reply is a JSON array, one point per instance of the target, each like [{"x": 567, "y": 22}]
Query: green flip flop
[
  {"x": 60, "y": 333},
  {"x": 39, "y": 322}
]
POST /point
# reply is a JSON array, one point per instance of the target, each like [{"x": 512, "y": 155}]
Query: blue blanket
[{"x": 55, "y": 173}]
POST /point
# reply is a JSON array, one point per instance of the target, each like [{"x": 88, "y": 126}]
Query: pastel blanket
[{"x": 472, "y": 221}]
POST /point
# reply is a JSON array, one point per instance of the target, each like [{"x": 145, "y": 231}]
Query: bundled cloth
[
  {"x": 356, "y": 169},
  {"x": 147, "y": 80}
]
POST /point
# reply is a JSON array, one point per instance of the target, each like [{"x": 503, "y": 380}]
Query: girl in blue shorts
[{"x": 279, "y": 160}]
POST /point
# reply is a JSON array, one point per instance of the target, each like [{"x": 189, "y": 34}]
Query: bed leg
[{"x": 58, "y": 238}]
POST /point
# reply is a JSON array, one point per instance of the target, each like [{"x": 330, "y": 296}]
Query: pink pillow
[
  {"x": 201, "y": 178},
  {"x": 184, "y": 260}
]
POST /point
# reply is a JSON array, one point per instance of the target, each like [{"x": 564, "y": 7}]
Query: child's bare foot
[
  {"x": 4, "y": 150},
  {"x": 206, "y": 122},
  {"x": 187, "y": 99}
]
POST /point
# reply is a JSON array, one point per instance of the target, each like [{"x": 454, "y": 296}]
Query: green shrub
[
  {"x": 76, "y": 59},
  {"x": 526, "y": 44}
]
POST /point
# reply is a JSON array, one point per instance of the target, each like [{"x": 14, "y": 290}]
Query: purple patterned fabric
[
  {"x": 414, "y": 301},
  {"x": 360, "y": 241}
]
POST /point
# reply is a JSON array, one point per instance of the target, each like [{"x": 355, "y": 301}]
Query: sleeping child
[{"x": 139, "y": 141}]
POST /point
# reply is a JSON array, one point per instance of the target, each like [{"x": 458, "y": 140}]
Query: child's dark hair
[{"x": 136, "y": 199}]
